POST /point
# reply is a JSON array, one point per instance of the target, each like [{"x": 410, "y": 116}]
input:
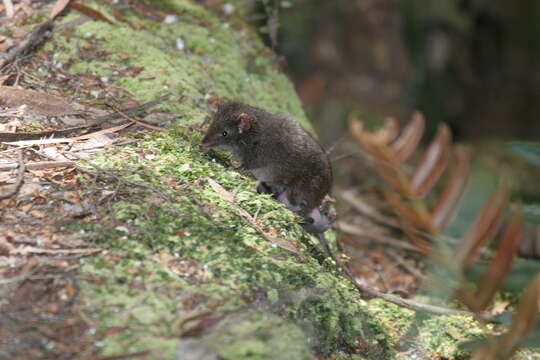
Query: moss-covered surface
[
  {"x": 169, "y": 261},
  {"x": 180, "y": 261},
  {"x": 215, "y": 59}
]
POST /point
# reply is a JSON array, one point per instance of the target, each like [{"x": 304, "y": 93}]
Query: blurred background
[{"x": 474, "y": 64}]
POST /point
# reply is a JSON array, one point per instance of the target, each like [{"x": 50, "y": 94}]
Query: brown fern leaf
[
  {"x": 446, "y": 205},
  {"x": 408, "y": 142},
  {"x": 433, "y": 163},
  {"x": 499, "y": 266},
  {"x": 523, "y": 323},
  {"x": 485, "y": 226},
  {"x": 408, "y": 189}
]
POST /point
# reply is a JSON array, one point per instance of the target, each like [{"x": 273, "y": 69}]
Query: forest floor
[{"x": 113, "y": 229}]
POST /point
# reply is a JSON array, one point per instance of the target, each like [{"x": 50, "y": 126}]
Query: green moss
[
  {"x": 412, "y": 332},
  {"x": 134, "y": 288},
  {"x": 236, "y": 263},
  {"x": 215, "y": 60},
  {"x": 395, "y": 320},
  {"x": 133, "y": 297},
  {"x": 253, "y": 335},
  {"x": 175, "y": 248},
  {"x": 442, "y": 334}
]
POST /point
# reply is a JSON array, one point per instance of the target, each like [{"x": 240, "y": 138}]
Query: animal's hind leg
[
  {"x": 319, "y": 219},
  {"x": 284, "y": 198},
  {"x": 264, "y": 188}
]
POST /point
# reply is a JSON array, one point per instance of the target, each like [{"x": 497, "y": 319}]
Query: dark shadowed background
[{"x": 471, "y": 63}]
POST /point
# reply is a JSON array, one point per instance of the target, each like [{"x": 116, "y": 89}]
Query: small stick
[
  {"x": 20, "y": 177},
  {"x": 69, "y": 140},
  {"x": 381, "y": 278},
  {"x": 18, "y": 136},
  {"x": 18, "y": 278},
  {"x": 411, "y": 269},
  {"x": 25, "y": 250},
  {"x": 139, "y": 354},
  {"x": 406, "y": 303},
  {"x": 350, "y": 197},
  {"x": 357, "y": 230},
  {"x": 228, "y": 197},
  {"x": 131, "y": 111},
  {"x": 38, "y": 165},
  {"x": 138, "y": 122},
  {"x": 94, "y": 124},
  {"x": 414, "y": 305},
  {"x": 33, "y": 38},
  {"x": 334, "y": 145},
  {"x": 8, "y": 5}
]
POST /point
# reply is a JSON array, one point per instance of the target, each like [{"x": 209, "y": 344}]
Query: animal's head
[
  {"x": 230, "y": 123},
  {"x": 321, "y": 218}
]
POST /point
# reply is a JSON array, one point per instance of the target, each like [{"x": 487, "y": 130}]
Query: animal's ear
[
  {"x": 220, "y": 103},
  {"x": 244, "y": 122}
]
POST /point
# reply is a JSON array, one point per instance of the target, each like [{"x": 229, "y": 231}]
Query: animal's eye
[{"x": 225, "y": 133}]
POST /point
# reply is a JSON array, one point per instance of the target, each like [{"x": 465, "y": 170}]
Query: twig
[
  {"x": 20, "y": 177},
  {"x": 27, "y": 270},
  {"x": 138, "y": 122},
  {"x": 129, "y": 111},
  {"x": 8, "y": 5},
  {"x": 32, "y": 39},
  {"x": 381, "y": 278},
  {"x": 326, "y": 247},
  {"x": 368, "y": 211},
  {"x": 14, "y": 149},
  {"x": 18, "y": 278},
  {"x": 405, "y": 265},
  {"x": 72, "y": 139},
  {"x": 414, "y": 305},
  {"x": 350, "y": 197},
  {"x": 406, "y": 303},
  {"x": 358, "y": 231},
  {"x": 24, "y": 250},
  {"x": 17, "y": 136},
  {"x": 227, "y": 196},
  {"x": 100, "y": 171},
  {"x": 334, "y": 145},
  {"x": 139, "y": 354},
  {"x": 94, "y": 124},
  {"x": 38, "y": 165}
]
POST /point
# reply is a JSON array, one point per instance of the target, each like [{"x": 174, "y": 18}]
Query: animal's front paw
[
  {"x": 264, "y": 188},
  {"x": 320, "y": 219}
]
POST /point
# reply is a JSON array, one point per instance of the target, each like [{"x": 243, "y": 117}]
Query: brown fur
[{"x": 287, "y": 161}]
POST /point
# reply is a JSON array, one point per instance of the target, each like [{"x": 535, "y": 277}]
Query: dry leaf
[
  {"x": 58, "y": 7},
  {"x": 37, "y": 213},
  {"x": 522, "y": 324},
  {"x": 88, "y": 11},
  {"x": 484, "y": 227},
  {"x": 409, "y": 139},
  {"x": 8, "y": 4},
  {"x": 227, "y": 196},
  {"x": 72, "y": 197},
  {"x": 500, "y": 265},
  {"x": 25, "y": 207},
  {"x": 35, "y": 102},
  {"x": 69, "y": 140},
  {"x": 453, "y": 191},
  {"x": 433, "y": 162},
  {"x": 524, "y": 320}
]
